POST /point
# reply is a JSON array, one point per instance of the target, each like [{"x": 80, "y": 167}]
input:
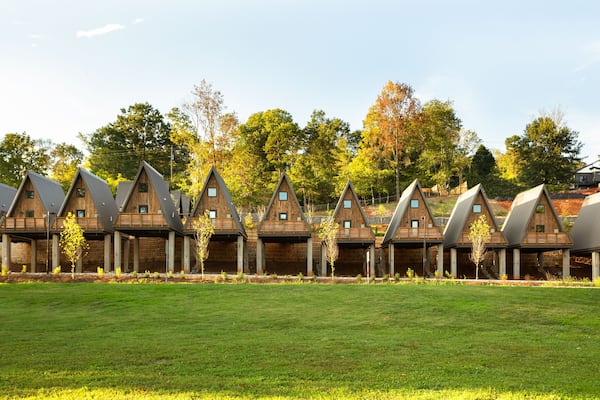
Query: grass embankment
[{"x": 298, "y": 341}]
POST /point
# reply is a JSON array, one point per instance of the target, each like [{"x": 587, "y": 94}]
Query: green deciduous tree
[
  {"x": 547, "y": 152},
  {"x": 19, "y": 153},
  {"x": 72, "y": 241},
  {"x": 65, "y": 160}
]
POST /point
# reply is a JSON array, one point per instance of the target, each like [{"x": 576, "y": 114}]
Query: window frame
[
  {"x": 477, "y": 209},
  {"x": 540, "y": 228},
  {"x": 283, "y": 195},
  {"x": 283, "y": 216},
  {"x": 80, "y": 192},
  {"x": 30, "y": 194},
  {"x": 143, "y": 187},
  {"x": 80, "y": 213},
  {"x": 413, "y": 202},
  {"x": 143, "y": 209},
  {"x": 412, "y": 224},
  {"x": 29, "y": 213},
  {"x": 347, "y": 224},
  {"x": 348, "y": 204},
  {"x": 211, "y": 192},
  {"x": 212, "y": 214}
]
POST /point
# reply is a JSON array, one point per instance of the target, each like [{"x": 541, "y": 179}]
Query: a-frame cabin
[
  {"x": 284, "y": 235},
  {"x": 468, "y": 208},
  {"x": 90, "y": 200},
  {"x": 7, "y": 195},
  {"x": 585, "y": 233},
  {"x": 30, "y": 217},
  {"x": 533, "y": 227},
  {"x": 355, "y": 238},
  {"x": 412, "y": 233},
  {"x": 147, "y": 210},
  {"x": 229, "y": 236}
]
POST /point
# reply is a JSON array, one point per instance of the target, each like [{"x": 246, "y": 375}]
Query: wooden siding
[
  {"x": 80, "y": 199},
  {"x": 497, "y": 239},
  {"x": 24, "y": 204},
  {"x": 224, "y": 222},
  {"x": 294, "y": 223},
  {"x": 552, "y": 234},
  {"x": 360, "y": 229},
  {"x": 131, "y": 217},
  {"x": 405, "y": 230}
]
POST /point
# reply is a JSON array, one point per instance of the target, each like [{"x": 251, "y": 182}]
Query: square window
[
  {"x": 414, "y": 223},
  {"x": 143, "y": 187},
  {"x": 283, "y": 196},
  {"x": 80, "y": 192},
  {"x": 143, "y": 209},
  {"x": 540, "y": 228},
  {"x": 477, "y": 208},
  {"x": 212, "y": 192},
  {"x": 30, "y": 194},
  {"x": 347, "y": 224},
  {"x": 29, "y": 214},
  {"x": 212, "y": 214},
  {"x": 283, "y": 216},
  {"x": 414, "y": 203},
  {"x": 540, "y": 209},
  {"x": 347, "y": 203},
  {"x": 80, "y": 213}
]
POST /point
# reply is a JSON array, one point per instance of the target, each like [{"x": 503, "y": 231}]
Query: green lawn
[{"x": 182, "y": 341}]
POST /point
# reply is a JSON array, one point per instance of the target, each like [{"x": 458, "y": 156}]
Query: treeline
[{"x": 401, "y": 140}]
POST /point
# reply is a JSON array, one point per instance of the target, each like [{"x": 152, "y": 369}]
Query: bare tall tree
[{"x": 479, "y": 235}]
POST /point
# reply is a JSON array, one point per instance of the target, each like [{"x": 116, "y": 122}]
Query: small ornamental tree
[
  {"x": 203, "y": 230},
  {"x": 479, "y": 235},
  {"x": 328, "y": 234},
  {"x": 72, "y": 241}
]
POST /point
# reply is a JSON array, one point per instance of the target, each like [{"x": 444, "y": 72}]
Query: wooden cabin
[
  {"x": 585, "y": 233},
  {"x": 411, "y": 235},
  {"x": 147, "y": 210},
  {"x": 229, "y": 238},
  {"x": 532, "y": 228},
  {"x": 468, "y": 208},
  {"x": 89, "y": 198},
  {"x": 355, "y": 238},
  {"x": 7, "y": 195},
  {"x": 284, "y": 244},
  {"x": 30, "y": 217}
]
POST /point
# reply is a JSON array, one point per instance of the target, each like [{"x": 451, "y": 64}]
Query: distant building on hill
[{"x": 588, "y": 176}]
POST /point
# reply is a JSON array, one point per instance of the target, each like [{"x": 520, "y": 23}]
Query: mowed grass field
[{"x": 287, "y": 341}]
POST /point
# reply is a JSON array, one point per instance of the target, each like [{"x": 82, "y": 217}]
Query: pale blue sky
[{"x": 69, "y": 66}]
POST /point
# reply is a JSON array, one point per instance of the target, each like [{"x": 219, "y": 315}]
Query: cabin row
[{"x": 146, "y": 227}]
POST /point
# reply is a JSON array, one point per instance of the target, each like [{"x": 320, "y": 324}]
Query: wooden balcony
[
  {"x": 497, "y": 240},
  {"x": 559, "y": 239},
  {"x": 87, "y": 224},
  {"x": 220, "y": 224},
  {"x": 284, "y": 228},
  {"x": 356, "y": 234},
  {"x": 140, "y": 221},
  {"x": 418, "y": 234},
  {"x": 24, "y": 224}
]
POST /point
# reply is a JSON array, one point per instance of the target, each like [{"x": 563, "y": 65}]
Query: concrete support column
[
  {"x": 391, "y": 258},
  {"x": 516, "y": 264},
  {"x": 6, "y": 250},
  {"x": 595, "y": 265},
  {"x": 79, "y": 265},
  {"x": 55, "y": 252},
  {"x": 33, "y": 248},
  {"x": 454, "y": 262},
  {"x": 371, "y": 265},
  {"x": 136, "y": 254},
  {"x": 323, "y": 259},
  {"x": 117, "y": 250},
  {"x": 171, "y": 251},
  {"x": 309, "y": 257},
  {"x": 107, "y": 252},
  {"x": 125, "y": 251},
  {"x": 440, "y": 259},
  {"x": 566, "y": 263},
  {"x": 240, "y": 254},
  {"x": 259, "y": 256},
  {"x": 186, "y": 254},
  {"x": 502, "y": 262}
]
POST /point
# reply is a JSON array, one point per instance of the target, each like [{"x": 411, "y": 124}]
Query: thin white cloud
[
  {"x": 591, "y": 55},
  {"x": 100, "y": 31},
  {"x": 34, "y": 36},
  {"x": 138, "y": 21}
]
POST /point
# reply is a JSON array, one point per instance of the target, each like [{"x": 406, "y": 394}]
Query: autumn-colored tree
[
  {"x": 203, "y": 230},
  {"x": 479, "y": 235},
  {"x": 390, "y": 127},
  {"x": 72, "y": 241},
  {"x": 328, "y": 230}
]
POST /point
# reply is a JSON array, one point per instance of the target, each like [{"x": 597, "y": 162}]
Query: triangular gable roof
[
  {"x": 181, "y": 202},
  {"x": 340, "y": 205},
  {"x": 522, "y": 209},
  {"x": 461, "y": 213},
  {"x": 225, "y": 191},
  {"x": 401, "y": 208},
  {"x": 7, "y": 195},
  {"x": 49, "y": 192},
  {"x": 585, "y": 233},
  {"x": 101, "y": 196},
  {"x": 590, "y": 168},
  {"x": 161, "y": 188},
  {"x": 123, "y": 189},
  {"x": 294, "y": 198}
]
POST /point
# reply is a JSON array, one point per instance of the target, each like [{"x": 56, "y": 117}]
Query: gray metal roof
[
  {"x": 401, "y": 208},
  {"x": 223, "y": 187},
  {"x": 294, "y": 197},
  {"x": 100, "y": 193},
  {"x": 123, "y": 189},
  {"x": 161, "y": 188},
  {"x": 590, "y": 168},
  {"x": 7, "y": 195},
  {"x": 522, "y": 209},
  {"x": 340, "y": 205},
  {"x": 181, "y": 202},
  {"x": 461, "y": 212},
  {"x": 50, "y": 193},
  {"x": 585, "y": 233}
]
